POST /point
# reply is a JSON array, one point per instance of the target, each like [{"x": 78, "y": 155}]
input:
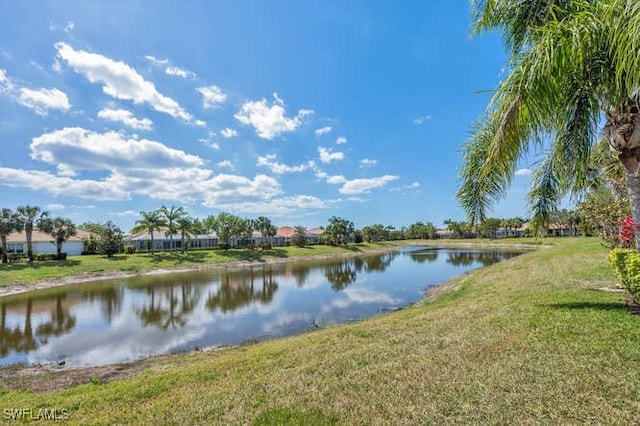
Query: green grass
[
  {"x": 531, "y": 340},
  {"x": 27, "y": 273}
]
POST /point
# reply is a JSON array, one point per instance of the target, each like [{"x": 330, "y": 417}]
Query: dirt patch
[
  {"x": 44, "y": 378},
  {"x": 52, "y": 377}
]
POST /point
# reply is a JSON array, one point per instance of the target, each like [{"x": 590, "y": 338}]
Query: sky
[{"x": 293, "y": 110}]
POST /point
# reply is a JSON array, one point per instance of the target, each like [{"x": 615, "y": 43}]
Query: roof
[
  {"x": 288, "y": 232},
  {"x": 37, "y": 236}
]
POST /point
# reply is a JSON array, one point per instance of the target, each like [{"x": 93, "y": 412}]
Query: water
[{"x": 120, "y": 320}]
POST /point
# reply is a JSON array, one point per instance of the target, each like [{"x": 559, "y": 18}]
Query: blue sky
[{"x": 298, "y": 111}]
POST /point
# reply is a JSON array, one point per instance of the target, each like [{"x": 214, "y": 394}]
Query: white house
[{"x": 43, "y": 242}]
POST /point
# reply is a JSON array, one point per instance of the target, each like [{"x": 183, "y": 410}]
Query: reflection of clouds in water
[
  {"x": 359, "y": 295},
  {"x": 126, "y": 339},
  {"x": 138, "y": 320},
  {"x": 275, "y": 326}
]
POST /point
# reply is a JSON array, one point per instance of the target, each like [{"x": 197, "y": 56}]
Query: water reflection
[
  {"x": 239, "y": 290},
  {"x": 115, "y": 321}
]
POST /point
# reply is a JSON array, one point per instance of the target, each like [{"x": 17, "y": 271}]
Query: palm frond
[{"x": 545, "y": 194}]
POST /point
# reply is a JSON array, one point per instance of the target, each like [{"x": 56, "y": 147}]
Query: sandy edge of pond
[{"x": 50, "y": 377}]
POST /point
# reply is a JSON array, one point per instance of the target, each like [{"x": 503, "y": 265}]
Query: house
[
  {"x": 141, "y": 241},
  {"x": 285, "y": 233},
  {"x": 43, "y": 242}
]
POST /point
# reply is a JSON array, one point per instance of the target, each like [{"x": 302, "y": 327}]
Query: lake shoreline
[{"x": 92, "y": 277}]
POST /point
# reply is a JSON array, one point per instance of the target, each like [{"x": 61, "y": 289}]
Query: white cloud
[
  {"x": 131, "y": 167},
  {"x": 3, "y": 76},
  {"x": 523, "y": 172},
  {"x": 179, "y": 72},
  {"x": 125, "y": 117},
  {"x": 156, "y": 61},
  {"x": 209, "y": 141},
  {"x": 421, "y": 119},
  {"x": 42, "y": 100},
  {"x": 228, "y": 132},
  {"x": 368, "y": 163},
  {"x": 168, "y": 68},
  {"x": 285, "y": 206},
  {"x": 341, "y": 140},
  {"x": 212, "y": 96},
  {"x": 60, "y": 185},
  {"x": 336, "y": 180},
  {"x": 67, "y": 28},
  {"x": 226, "y": 164},
  {"x": 279, "y": 168},
  {"x": 126, "y": 213},
  {"x": 269, "y": 121},
  {"x": 414, "y": 185},
  {"x": 119, "y": 80},
  {"x": 323, "y": 130},
  {"x": 50, "y": 207},
  {"x": 328, "y": 155},
  {"x": 75, "y": 149},
  {"x": 363, "y": 186}
]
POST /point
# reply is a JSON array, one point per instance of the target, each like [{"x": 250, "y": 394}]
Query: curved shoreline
[{"x": 47, "y": 377}]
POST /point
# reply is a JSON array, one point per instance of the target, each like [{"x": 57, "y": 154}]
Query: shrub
[
  {"x": 129, "y": 249},
  {"x": 626, "y": 263}
]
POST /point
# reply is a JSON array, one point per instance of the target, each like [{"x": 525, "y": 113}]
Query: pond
[{"x": 127, "y": 319}]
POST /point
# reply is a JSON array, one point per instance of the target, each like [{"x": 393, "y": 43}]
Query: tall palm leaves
[
  {"x": 61, "y": 230},
  {"x": 171, "y": 215},
  {"x": 573, "y": 64},
  {"x": 28, "y": 216},
  {"x": 150, "y": 221}
]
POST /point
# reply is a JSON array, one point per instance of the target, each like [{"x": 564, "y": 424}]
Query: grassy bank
[
  {"x": 26, "y": 273},
  {"x": 530, "y": 340}
]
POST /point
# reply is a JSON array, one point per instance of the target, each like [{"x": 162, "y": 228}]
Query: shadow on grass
[
  {"x": 177, "y": 257},
  {"x": 37, "y": 264},
  {"x": 609, "y": 306},
  {"x": 252, "y": 255}
]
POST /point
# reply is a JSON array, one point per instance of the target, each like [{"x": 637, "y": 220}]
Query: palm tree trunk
[
  {"x": 4, "y": 249},
  {"x": 29, "y": 234},
  {"x": 632, "y": 166}
]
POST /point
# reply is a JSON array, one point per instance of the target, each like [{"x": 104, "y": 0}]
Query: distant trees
[
  {"x": 373, "y": 233},
  {"x": 226, "y": 225},
  {"x": 265, "y": 227},
  {"x": 339, "y": 231},
  {"x": 9, "y": 222},
  {"x": 299, "y": 237},
  {"x": 421, "y": 230},
  {"x": 106, "y": 238}
]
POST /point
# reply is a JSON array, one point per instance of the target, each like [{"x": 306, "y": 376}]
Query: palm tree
[
  {"x": 267, "y": 230},
  {"x": 9, "y": 222},
  {"x": 171, "y": 215},
  {"x": 184, "y": 225},
  {"x": 573, "y": 65},
  {"x": 151, "y": 221},
  {"x": 61, "y": 230},
  {"x": 28, "y": 215}
]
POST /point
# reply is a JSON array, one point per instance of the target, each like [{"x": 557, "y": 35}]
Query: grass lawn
[{"x": 530, "y": 340}]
